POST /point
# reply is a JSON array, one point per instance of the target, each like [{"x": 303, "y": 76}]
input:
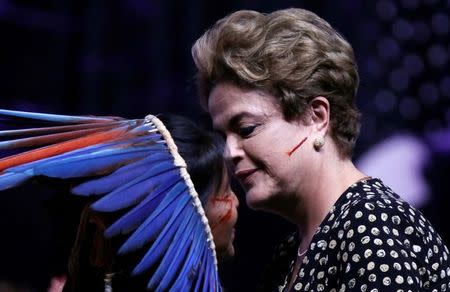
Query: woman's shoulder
[
  {"x": 377, "y": 228},
  {"x": 373, "y": 209},
  {"x": 373, "y": 197},
  {"x": 372, "y": 203}
]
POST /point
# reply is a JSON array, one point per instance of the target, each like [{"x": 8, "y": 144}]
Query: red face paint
[
  {"x": 217, "y": 200},
  {"x": 297, "y": 146},
  {"x": 225, "y": 216}
]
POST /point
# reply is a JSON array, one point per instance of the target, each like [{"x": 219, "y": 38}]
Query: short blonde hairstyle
[{"x": 293, "y": 54}]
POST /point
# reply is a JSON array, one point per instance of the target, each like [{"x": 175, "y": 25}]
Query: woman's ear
[{"x": 320, "y": 114}]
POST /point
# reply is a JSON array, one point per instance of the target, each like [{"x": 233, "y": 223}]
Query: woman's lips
[{"x": 243, "y": 175}]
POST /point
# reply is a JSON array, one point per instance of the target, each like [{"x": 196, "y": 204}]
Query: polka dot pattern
[{"x": 371, "y": 240}]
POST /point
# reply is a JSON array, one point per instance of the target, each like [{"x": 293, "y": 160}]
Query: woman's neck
[{"x": 325, "y": 189}]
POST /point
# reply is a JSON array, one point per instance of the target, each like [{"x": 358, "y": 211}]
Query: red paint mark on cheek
[
  {"x": 217, "y": 200},
  {"x": 289, "y": 153},
  {"x": 226, "y": 215}
]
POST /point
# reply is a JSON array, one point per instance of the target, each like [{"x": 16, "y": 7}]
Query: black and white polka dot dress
[{"x": 371, "y": 240}]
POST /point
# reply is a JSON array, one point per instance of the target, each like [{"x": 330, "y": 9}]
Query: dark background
[{"x": 131, "y": 58}]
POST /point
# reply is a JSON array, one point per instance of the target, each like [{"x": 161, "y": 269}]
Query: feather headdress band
[{"x": 130, "y": 164}]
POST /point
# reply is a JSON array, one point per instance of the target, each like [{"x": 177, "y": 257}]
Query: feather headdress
[{"x": 129, "y": 164}]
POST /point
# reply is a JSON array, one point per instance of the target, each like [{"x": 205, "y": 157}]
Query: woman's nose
[
  {"x": 235, "y": 200},
  {"x": 233, "y": 151}
]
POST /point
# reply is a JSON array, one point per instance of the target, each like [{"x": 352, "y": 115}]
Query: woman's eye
[{"x": 246, "y": 131}]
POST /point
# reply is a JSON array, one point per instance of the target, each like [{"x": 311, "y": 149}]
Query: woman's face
[
  {"x": 268, "y": 155},
  {"x": 221, "y": 210}
]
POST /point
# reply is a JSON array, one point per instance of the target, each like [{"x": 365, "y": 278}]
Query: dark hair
[
  {"x": 93, "y": 255},
  {"x": 202, "y": 150}
]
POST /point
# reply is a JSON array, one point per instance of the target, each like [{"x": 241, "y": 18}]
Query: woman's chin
[
  {"x": 225, "y": 254},
  {"x": 255, "y": 200}
]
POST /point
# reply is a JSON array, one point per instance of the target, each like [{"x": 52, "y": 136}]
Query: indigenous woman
[
  {"x": 93, "y": 260},
  {"x": 164, "y": 212}
]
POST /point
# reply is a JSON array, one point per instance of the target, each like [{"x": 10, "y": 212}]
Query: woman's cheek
[{"x": 221, "y": 211}]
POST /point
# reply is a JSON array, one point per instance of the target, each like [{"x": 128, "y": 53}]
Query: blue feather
[
  {"x": 186, "y": 225},
  {"x": 153, "y": 139},
  {"x": 167, "y": 234},
  {"x": 207, "y": 266},
  {"x": 52, "y": 117},
  {"x": 179, "y": 244},
  {"x": 155, "y": 222},
  {"x": 209, "y": 270},
  {"x": 187, "y": 272},
  {"x": 200, "y": 282},
  {"x": 182, "y": 284},
  {"x": 138, "y": 214},
  {"x": 173, "y": 271},
  {"x": 7, "y": 182},
  {"x": 55, "y": 138},
  {"x": 91, "y": 149},
  {"x": 134, "y": 218},
  {"x": 133, "y": 191},
  {"x": 121, "y": 176},
  {"x": 175, "y": 254},
  {"x": 23, "y": 132},
  {"x": 208, "y": 278},
  {"x": 89, "y": 164},
  {"x": 12, "y": 179},
  {"x": 144, "y": 175},
  {"x": 149, "y": 140},
  {"x": 146, "y": 127},
  {"x": 181, "y": 265},
  {"x": 141, "y": 236},
  {"x": 214, "y": 277}
]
